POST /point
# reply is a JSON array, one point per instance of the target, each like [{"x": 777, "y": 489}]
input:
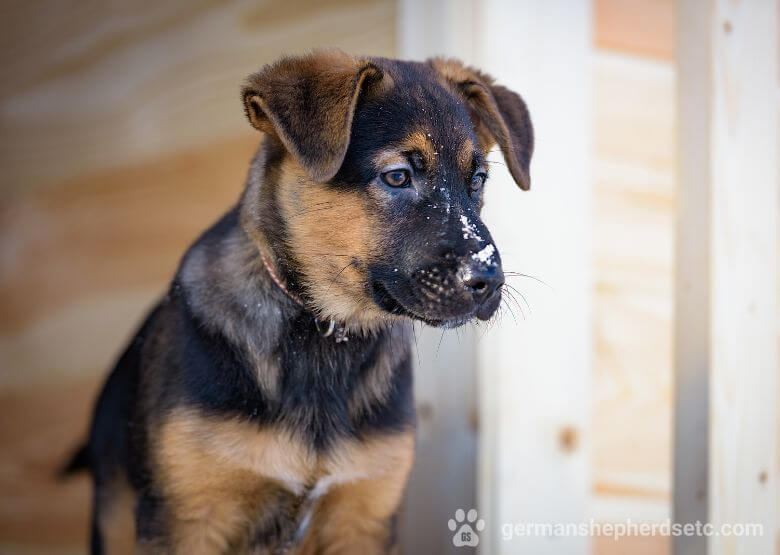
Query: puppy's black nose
[{"x": 482, "y": 282}]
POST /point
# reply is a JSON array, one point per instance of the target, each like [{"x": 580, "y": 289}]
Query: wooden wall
[{"x": 122, "y": 137}]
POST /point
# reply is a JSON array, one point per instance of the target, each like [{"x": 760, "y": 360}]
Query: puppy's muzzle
[{"x": 461, "y": 286}]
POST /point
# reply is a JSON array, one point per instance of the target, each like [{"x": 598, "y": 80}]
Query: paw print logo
[{"x": 465, "y": 535}]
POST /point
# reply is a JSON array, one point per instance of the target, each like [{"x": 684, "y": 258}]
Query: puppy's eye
[
  {"x": 396, "y": 178},
  {"x": 477, "y": 181}
]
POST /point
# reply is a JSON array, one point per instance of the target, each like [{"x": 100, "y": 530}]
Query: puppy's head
[{"x": 369, "y": 185}]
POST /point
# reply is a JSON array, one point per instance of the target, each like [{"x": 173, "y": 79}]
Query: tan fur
[
  {"x": 420, "y": 142},
  {"x": 225, "y": 477},
  {"x": 332, "y": 237},
  {"x": 388, "y": 157},
  {"x": 275, "y": 89},
  {"x": 353, "y": 517},
  {"x": 454, "y": 71},
  {"x": 466, "y": 155},
  {"x": 221, "y": 476},
  {"x": 454, "y": 74}
]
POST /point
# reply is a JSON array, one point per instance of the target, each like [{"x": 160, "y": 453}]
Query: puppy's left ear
[
  {"x": 308, "y": 103},
  {"x": 500, "y": 115}
]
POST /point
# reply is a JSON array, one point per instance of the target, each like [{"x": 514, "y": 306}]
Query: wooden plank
[
  {"x": 39, "y": 428},
  {"x": 636, "y": 27},
  {"x": 86, "y": 259},
  {"x": 692, "y": 278},
  {"x": 744, "y": 142},
  {"x": 726, "y": 361},
  {"x": 439, "y": 28},
  {"x": 91, "y": 87},
  {"x": 535, "y": 372},
  {"x": 443, "y": 477},
  {"x": 634, "y": 198}
]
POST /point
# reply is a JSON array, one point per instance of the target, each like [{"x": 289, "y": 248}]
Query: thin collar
[
  {"x": 324, "y": 327},
  {"x": 278, "y": 280}
]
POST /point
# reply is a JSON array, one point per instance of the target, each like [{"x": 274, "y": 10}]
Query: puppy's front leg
[{"x": 357, "y": 517}]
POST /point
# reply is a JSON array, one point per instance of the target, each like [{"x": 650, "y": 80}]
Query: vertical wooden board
[
  {"x": 726, "y": 421},
  {"x": 443, "y": 477},
  {"x": 692, "y": 277},
  {"x": 744, "y": 254},
  {"x": 439, "y": 28},
  {"x": 633, "y": 219},
  {"x": 535, "y": 372},
  {"x": 777, "y": 433},
  {"x": 633, "y": 251}
]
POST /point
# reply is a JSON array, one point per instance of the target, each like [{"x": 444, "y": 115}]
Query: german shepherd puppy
[{"x": 265, "y": 405}]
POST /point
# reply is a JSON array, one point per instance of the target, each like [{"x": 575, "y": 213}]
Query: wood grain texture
[
  {"x": 88, "y": 257},
  {"x": 38, "y": 512},
  {"x": 727, "y": 276},
  {"x": 634, "y": 199},
  {"x": 637, "y": 27},
  {"x": 93, "y": 86},
  {"x": 743, "y": 143}
]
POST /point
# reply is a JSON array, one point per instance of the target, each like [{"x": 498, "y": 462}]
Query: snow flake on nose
[
  {"x": 469, "y": 229},
  {"x": 485, "y": 255}
]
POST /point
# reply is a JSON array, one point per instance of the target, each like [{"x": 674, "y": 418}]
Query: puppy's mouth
[{"x": 390, "y": 303}]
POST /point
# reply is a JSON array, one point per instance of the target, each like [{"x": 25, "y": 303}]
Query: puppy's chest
[
  {"x": 328, "y": 391},
  {"x": 274, "y": 454},
  {"x": 272, "y": 476}
]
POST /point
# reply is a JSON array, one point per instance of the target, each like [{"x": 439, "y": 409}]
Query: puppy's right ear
[
  {"x": 499, "y": 114},
  {"x": 308, "y": 103}
]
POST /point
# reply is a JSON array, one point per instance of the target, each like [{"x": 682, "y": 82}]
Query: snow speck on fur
[
  {"x": 485, "y": 254},
  {"x": 469, "y": 230}
]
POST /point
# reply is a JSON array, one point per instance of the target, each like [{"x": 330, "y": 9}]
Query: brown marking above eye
[
  {"x": 420, "y": 143},
  {"x": 389, "y": 158},
  {"x": 466, "y": 156},
  {"x": 416, "y": 149}
]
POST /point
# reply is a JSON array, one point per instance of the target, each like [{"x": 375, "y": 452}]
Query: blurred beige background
[{"x": 122, "y": 137}]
